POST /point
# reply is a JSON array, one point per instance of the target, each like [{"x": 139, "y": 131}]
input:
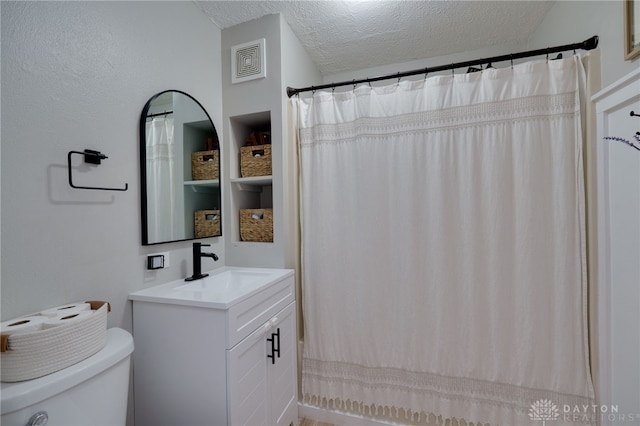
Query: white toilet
[{"x": 91, "y": 392}]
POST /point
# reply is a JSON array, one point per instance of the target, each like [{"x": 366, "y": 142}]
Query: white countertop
[{"x": 223, "y": 288}]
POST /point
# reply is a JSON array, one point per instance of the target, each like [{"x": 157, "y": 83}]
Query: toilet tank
[{"x": 92, "y": 392}]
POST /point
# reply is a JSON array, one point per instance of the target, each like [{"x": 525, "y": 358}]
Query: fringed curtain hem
[
  {"x": 388, "y": 413},
  {"x": 335, "y": 380}
]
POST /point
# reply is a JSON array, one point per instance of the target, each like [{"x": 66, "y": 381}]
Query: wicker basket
[
  {"x": 204, "y": 165},
  {"x": 207, "y": 223},
  {"x": 255, "y": 160},
  {"x": 256, "y": 225},
  {"x": 26, "y": 356}
]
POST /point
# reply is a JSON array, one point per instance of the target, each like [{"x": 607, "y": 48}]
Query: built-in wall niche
[
  {"x": 201, "y": 195},
  {"x": 197, "y": 137},
  {"x": 251, "y": 195},
  {"x": 242, "y": 126}
]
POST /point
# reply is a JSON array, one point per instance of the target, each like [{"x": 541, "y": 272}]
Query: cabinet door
[
  {"x": 282, "y": 368},
  {"x": 247, "y": 380}
]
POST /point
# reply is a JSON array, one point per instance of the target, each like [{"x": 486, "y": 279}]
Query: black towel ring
[{"x": 91, "y": 157}]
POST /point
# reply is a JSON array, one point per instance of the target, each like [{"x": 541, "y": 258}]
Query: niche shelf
[
  {"x": 198, "y": 195},
  {"x": 253, "y": 183},
  {"x": 254, "y": 192},
  {"x": 206, "y": 186}
]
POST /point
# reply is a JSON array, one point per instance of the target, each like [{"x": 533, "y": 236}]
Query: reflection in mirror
[{"x": 179, "y": 170}]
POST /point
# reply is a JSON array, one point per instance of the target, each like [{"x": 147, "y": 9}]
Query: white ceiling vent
[{"x": 248, "y": 61}]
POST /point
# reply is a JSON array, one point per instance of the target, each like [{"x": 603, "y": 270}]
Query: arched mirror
[{"x": 179, "y": 170}]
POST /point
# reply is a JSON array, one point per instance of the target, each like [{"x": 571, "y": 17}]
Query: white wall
[{"x": 76, "y": 75}]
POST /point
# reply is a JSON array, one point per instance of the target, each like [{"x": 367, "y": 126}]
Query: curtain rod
[
  {"x": 159, "y": 113},
  {"x": 589, "y": 44}
]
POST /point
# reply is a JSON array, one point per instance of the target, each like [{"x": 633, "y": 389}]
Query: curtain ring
[
  {"x": 511, "y": 54},
  {"x": 399, "y": 77},
  {"x": 452, "y": 70},
  {"x": 547, "y": 55},
  {"x": 426, "y": 72},
  {"x": 354, "y": 84}
]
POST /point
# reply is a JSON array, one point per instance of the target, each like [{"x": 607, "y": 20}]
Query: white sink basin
[
  {"x": 226, "y": 284},
  {"x": 223, "y": 287}
]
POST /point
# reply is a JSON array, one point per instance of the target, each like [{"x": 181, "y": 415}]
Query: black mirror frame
[{"x": 143, "y": 168}]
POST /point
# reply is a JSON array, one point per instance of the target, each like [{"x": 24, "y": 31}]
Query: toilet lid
[{"x": 16, "y": 396}]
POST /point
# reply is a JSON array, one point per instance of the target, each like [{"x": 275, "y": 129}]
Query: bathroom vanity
[{"x": 217, "y": 351}]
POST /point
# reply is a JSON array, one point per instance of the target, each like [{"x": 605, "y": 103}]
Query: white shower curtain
[
  {"x": 162, "y": 215},
  {"x": 443, "y": 247}
]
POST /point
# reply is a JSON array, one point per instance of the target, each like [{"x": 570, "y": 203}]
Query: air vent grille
[{"x": 248, "y": 61}]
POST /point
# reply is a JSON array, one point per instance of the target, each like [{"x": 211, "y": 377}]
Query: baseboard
[{"x": 337, "y": 418}]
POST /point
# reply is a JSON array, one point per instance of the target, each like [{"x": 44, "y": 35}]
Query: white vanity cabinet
[
  {"x": 200, "y": 362},
  {"x": 259, "y": 374}
]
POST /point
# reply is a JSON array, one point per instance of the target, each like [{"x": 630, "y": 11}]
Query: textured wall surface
[{"x": 76, "y": 75}]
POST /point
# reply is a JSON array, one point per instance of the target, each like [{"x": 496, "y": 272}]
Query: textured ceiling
[{"x": 351, "y": 35}]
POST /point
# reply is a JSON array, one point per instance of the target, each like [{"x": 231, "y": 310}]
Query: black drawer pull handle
[
  {"x": 277, "y": 338},
  {"x": 275, "y": 346}
]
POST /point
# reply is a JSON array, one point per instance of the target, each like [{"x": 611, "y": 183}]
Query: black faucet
[{"x": 197, "y": 264}]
